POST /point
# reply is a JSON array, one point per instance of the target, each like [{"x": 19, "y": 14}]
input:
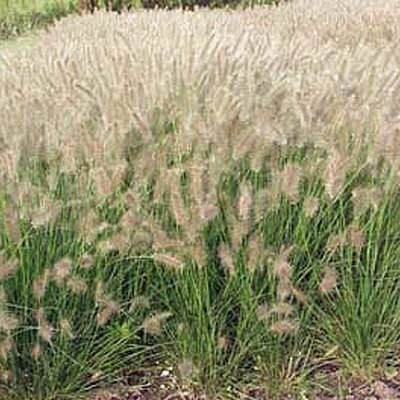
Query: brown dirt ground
[{"x": 166, "y": 388}]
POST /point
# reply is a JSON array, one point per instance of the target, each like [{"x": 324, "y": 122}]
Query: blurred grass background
[{"x": 19, "y": 17}]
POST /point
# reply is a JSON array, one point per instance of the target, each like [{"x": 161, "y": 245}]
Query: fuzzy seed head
[
  {"x": 196, "y": 173},
  {"x": 39, "y": 285},
  {"x": 36, "y": 351},
  {"x": 334, "y": 174},
  {"x": 8, "y": 322},
  {"x": 336, "y": 242},
  {"x": 139, "y": 302},
  {"x": 300, "y": 296},
  {"x": 61, "y": 270},
  {"x": 7, "y": 267},
  {"x": 244, "y": 203},
  {"x": 180, "y": 327},
  {"x": 107, "y": 180},
  {"x": 39, "y": 315},
  {"x": 225, "y": 256},
  {"x": 329, "y": 280},
  {"x": 111, "y": 308},
  {"x": 46, "y": 332},
  {"x": 282, "y": 267},
  {"x": 255, "y": 254},
  {"x": 260, "y": 203},
  {"x": 283, "y": 327},
  {"x": 6, "y": 376},
  {"x": 99, "y": 293},
  {"x": 153, "y": 325},
  {"x": 222, "y": 342},
  {"x": 284, "y": 309},
  {"x": 88, "y": 225},
  {"x": 12, "y": 224},
  {"x": 355, "y": 237},
  {"x": 311, "y": 205},
  {"x": 85, "y": 261},
  {"x": 238, "y": 231},
  {"x": 117, "y": 242},
  {"x": 44, "y": 213},
  {"x": 65, "y": 328},
  {"x": 195, "y": 253},
  {"x": 289, "y": 180},
  {"x": 284, "y": 289},
  {"x": 168, "y": 260},
  {"x": 177, "y": 205},
  {"x": 5, "y": 346},
  {"x": 263, "y": 312},
  {"x": 104, "y": 316},
  {"x": 364, "y": 198},
  {"x": 77, "y": 285},
  {"x": 208, "y": 210}
]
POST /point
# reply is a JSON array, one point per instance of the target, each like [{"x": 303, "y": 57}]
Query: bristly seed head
[
  {"x": 355, "y": 236},
  {"x": 285, "y": 309},
  {"x": 283, "y": 327},
  {"x": 153, "y": 325},
  {"x": 65, "y": 328},
  {"x": 208, "y": 210},
  {"x": 99, "y": 296},
  {"x": 12, "y": 223},
  {"x": 168, "y": 260},
  {"x": 335, "y": 172},
  {"x": 104, "y": 315},
  {"x": 329, "y": 279},
  {"x": 364, "y": 198},
  {"x": 263, "y": 312},
  {"x": 39, "y": 285},
  {"x": 6, "y": 376},
  {"x": 336, "y": 242},
  {"x": 311, "y": 205},
  {"x": 139, "y": 302},
  {"x": 255, "y": 254},
  {"x": 39, "y": 315},
  {"x": 8, "y": 322},
  {"x": 77, "y": 285},
  {"x": 177, "y": 204},
  {"x": 225, "y": 255},
  {"x": 46, "y": 332},
  {"x": 222, "y": 342},
  {"x": 36, "y": 351},
  {"x": 85, "y": 260},
  {"x": 245, "y": 202},
  {"x": 7, "y": 267},
  {"x": 284, "y": 289},
  {"x": 61, "y": 270},
  {"x": 289, "y": 180},
  {"x": 5, "y": 346},
  {"x": 282, "y": 267},
  {"x": 300, "y": 296}
]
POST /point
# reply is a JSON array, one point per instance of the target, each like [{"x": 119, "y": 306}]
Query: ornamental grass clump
[{"x": 216, "y": 197}]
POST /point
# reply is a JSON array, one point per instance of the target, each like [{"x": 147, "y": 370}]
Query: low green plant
[{"x": 250, "y": 282}]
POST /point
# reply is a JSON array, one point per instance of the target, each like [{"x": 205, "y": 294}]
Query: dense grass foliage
[
  {"x": 19, "y": 17},
  {"x": 220, "y": 197}
]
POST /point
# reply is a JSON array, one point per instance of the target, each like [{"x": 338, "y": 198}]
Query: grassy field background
[
  {"x": 22, "y": 16},
  {"x": 209, "y": 197}
]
